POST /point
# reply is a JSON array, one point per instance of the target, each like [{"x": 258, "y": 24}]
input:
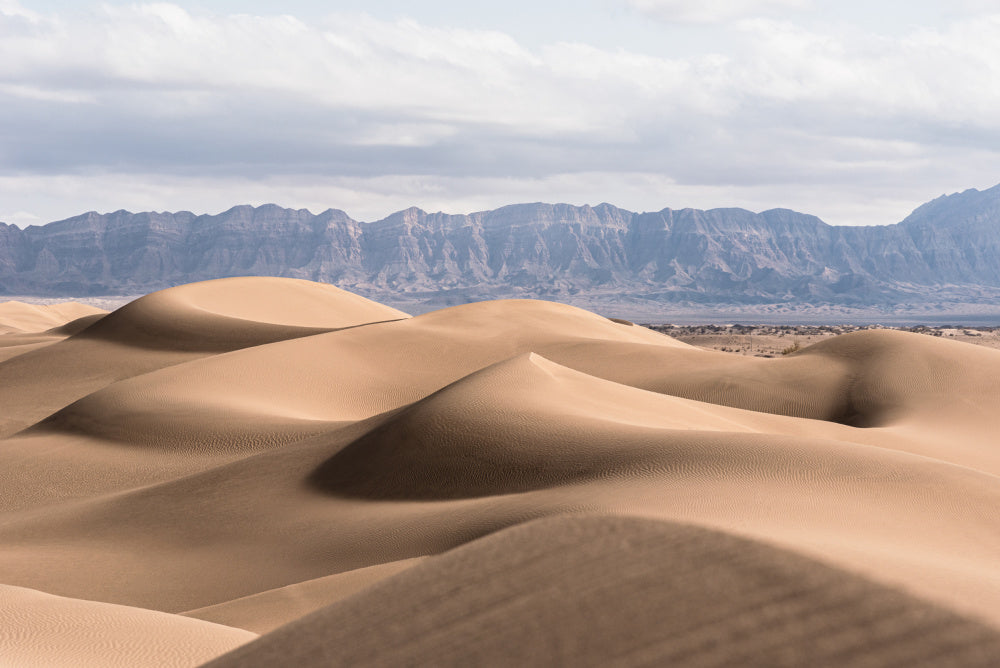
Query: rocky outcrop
[{"x": 542, "y": 250}]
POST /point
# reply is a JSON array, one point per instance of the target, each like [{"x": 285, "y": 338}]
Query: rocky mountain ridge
[{"x": 947, "y": 249}]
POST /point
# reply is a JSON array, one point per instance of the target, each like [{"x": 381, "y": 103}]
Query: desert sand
[{"x": 263, "y": 471}]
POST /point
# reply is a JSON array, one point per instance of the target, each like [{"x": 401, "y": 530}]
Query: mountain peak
[
  {"x": 553, "y": 251},
  {"x": 969, "y": 207}
]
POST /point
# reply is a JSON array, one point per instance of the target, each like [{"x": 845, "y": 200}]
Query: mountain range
[{"x": 946, "y": 252}]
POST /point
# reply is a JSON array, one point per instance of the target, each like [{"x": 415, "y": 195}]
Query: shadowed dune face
[
  {"x": 900, "y": 376},
  {"x": 528, "y": 424},
  {"x": 251, "y": 451},
  {"x": 623, "y": 591},
  {"x": 480, "y": 436}
]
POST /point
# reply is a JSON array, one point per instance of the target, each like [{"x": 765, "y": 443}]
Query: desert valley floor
[{"x": 263, "y": 472}]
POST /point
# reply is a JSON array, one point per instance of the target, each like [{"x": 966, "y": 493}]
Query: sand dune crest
[
  {"x": 231, "y": 313},
  {"x": 519, "y": 425}
]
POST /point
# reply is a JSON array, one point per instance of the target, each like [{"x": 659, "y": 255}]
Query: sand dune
[
  {"x": 600, "y": 590},
  {"x": 170, "y": 327},
  {"x": 48, "y": 631},
  {"x": 18, "y": 317},
  {"x": 231, "y": 313},
  {"x": 362, "y": 487},
  {"x": 27, "y": 327},
  {"x": 274, "y": 608}
]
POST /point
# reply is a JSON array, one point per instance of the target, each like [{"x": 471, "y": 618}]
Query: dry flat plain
[
  {"x": 775, "y": 340},
  {"x": 261, "y": 472}
]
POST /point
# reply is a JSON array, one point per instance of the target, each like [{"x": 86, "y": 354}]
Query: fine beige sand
[
  {"x": 499, "y": 483},
  {"x": 17, "y": 317}
]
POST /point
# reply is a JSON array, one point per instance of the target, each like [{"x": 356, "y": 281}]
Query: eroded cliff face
[
  {"x": 541, "y": 250},
  {"x": 14, "y": 252}
]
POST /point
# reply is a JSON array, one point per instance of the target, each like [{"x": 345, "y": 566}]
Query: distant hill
[{"x": 948, "y": 249}]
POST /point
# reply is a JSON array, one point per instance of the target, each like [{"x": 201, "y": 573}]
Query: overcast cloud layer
[{"x": 641, "y": 103}]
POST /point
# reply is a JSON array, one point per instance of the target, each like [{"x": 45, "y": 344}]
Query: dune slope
[
  {"x": 599, "y": 591},
  {"x": 539, "y": 483},
  {"x": 49, "y": 631},
  {"x": 18, "y": 317},
  {"x": 172, "y": 326}
]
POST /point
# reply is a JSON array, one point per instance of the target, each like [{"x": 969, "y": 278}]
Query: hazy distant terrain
[
  {"x": 943, "y": 259},
  {"x": 781, "y": 340}
]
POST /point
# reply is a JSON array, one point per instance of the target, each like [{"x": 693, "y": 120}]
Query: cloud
[
  {"x": 12, "y": 8},
  {"x": 340, "y": 106},
  {"x": 21, "y": 218},
  {"x": 712, "y": 11}
]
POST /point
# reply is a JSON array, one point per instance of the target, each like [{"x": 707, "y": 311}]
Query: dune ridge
[
  {"x": 18, "y": 317},
  {"x": 43, "y": 630},
  {"x": 287, "y": 459}
]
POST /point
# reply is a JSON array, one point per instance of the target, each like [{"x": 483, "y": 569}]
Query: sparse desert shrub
[{"x": 791, "y": 349}]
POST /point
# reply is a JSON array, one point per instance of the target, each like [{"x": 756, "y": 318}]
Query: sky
[{"x": 856, "y": 112}]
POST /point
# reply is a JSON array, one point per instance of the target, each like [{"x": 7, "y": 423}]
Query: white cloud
[
  {"x": 937, "y": 77},
  {"x": 14, "y": 8},
  {"x": 711, "y": 11},
  {"x": 21, "y": 218},
  {"x": 420, "y": 75},
  {"x": 144, "y": 105},
  {"x": 28, "y": 92}
]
